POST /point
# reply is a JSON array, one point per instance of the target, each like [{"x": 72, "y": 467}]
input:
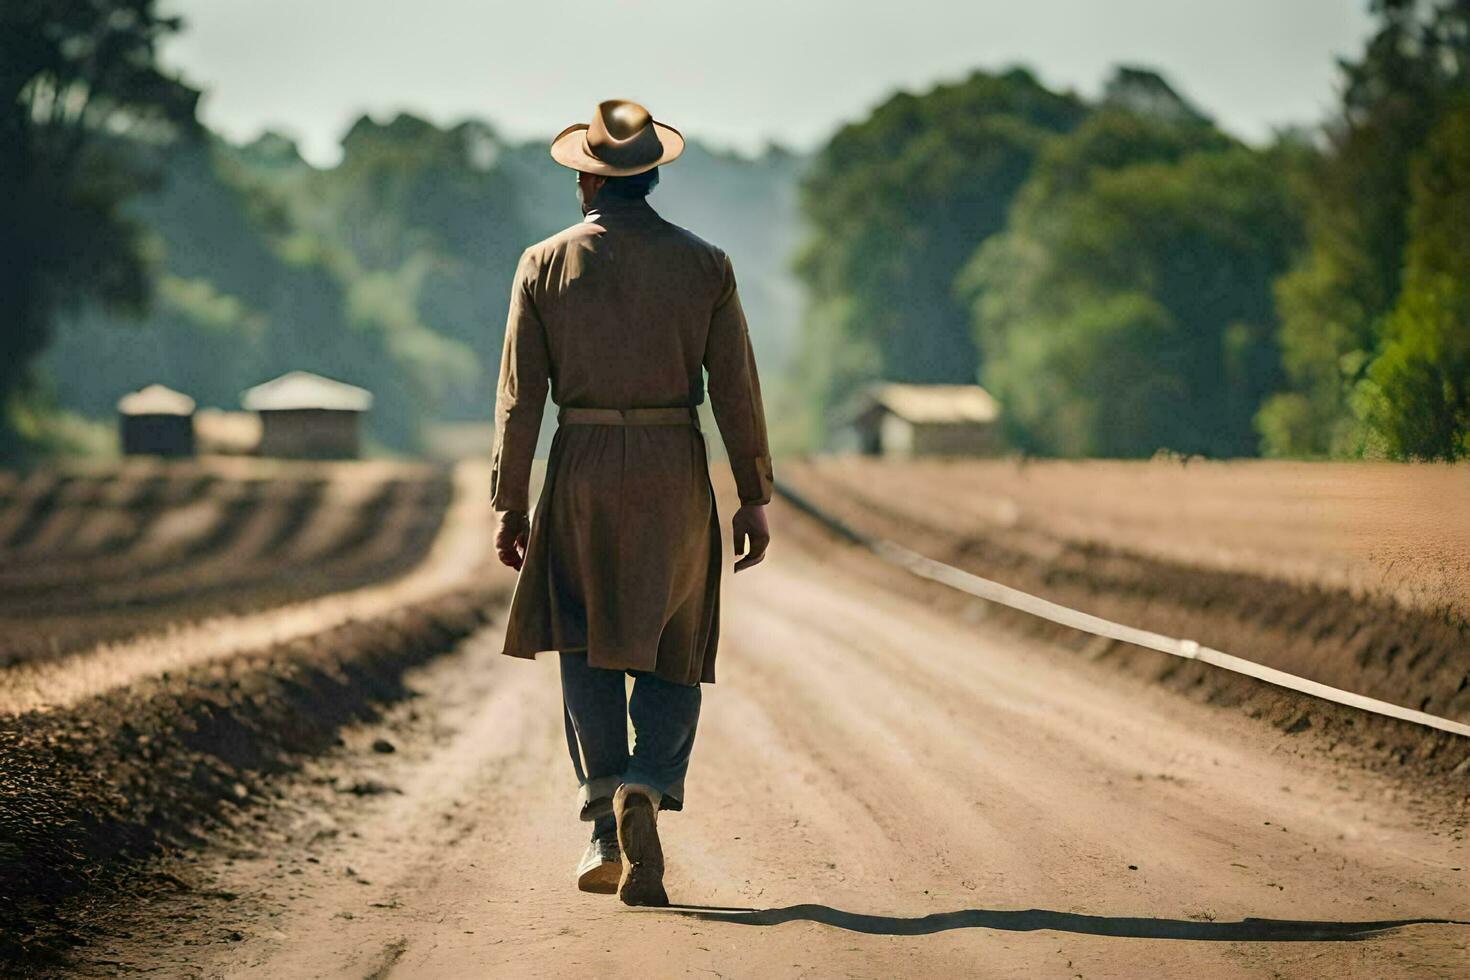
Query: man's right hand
[{"x": 749, "y": 523}]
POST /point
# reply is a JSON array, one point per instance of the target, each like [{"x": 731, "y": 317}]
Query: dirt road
[{"x": 879, "y": 790}]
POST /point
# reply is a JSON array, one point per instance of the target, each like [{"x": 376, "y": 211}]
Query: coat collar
[{"x": 618, "y": 208}]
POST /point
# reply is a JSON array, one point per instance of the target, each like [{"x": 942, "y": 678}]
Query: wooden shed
[
  {"x": 892, "y": 419},
  {"x": 307, "y": 416},
  {"x": 156, "y": 421}
]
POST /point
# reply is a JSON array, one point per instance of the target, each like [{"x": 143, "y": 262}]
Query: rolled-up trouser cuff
[
  {"x": 673, "y": 792},
  {"x": 642, "y": 789},
  {"x": 594, "y": 798}
]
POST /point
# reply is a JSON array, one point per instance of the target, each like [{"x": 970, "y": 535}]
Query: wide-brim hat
[{"x": 623, "y": 139}]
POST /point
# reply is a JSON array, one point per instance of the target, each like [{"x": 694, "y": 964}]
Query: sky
[{"x": 736, "y": 74}]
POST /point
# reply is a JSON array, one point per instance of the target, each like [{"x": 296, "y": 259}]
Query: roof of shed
[
  {"x": 155, "y": 400},
  {"x": 929, "y": 403},
  {"x": 298, "y": 390}
]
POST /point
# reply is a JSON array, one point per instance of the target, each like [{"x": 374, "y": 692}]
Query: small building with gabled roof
[
  {"x": 156, "y": 421},
  {"x": 892, "y": 419},
  {"x": 307, "y": 416}
]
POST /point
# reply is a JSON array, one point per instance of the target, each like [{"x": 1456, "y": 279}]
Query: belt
[{"x": 628, "y": 416}]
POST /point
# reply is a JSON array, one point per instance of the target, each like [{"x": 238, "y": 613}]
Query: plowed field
[{"x": 104, "y": 555}]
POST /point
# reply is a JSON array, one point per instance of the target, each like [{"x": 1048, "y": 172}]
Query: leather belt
[{"x": 628, "y": 416}]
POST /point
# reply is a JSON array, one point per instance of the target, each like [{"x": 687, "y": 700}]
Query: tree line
[
  {"x": 1124, "y": 276},
  {"x": 1127, "y": 278},
  {"x": 389, "y": 270},
  {"x": 140, "y": 247}
]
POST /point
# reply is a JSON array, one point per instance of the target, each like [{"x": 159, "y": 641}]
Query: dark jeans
[{"x": 664, "y": 717}]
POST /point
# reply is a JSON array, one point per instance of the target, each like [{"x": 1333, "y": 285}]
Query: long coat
[{"x": 625, "y": 311}]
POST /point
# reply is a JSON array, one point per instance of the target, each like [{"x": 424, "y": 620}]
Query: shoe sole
[
  {"x": 642, "y": 878},
  {"x": 601, "y": 879}
]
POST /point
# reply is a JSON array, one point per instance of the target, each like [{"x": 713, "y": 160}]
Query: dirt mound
[
  {"x": 1373, "y": 645},
  {"x": 1380, "y": 530},
  {"x": 89, "y": 791}
]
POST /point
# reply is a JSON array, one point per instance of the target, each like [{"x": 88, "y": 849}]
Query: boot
[{"x": 642, "y": 880}]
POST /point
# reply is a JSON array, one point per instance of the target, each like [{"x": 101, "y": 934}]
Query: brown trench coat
[{"x": 625, "y": 310}]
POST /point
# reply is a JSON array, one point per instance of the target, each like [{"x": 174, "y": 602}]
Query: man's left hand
[{"x": 511, "y": 538}]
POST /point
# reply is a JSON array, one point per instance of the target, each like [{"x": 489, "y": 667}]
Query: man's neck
[{"x": 614, "y": 204}]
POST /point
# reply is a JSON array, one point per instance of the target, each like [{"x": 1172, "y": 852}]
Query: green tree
[
  {"x": 81, "y": 95},
  {"x": 1334, "y": 302},
  {"x": 416, "y": 224},
  {"x": 1416, "y": 394},
  {"x": 895, "y": 205},
  {"x": 1127, "y": 307},
  {"x": 243, "y": 293}
]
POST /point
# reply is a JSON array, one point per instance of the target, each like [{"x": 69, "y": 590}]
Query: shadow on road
[{"x": 1031, "y": 920}]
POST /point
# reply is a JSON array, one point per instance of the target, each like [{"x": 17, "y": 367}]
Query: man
[{"x": 621, "y": 315}]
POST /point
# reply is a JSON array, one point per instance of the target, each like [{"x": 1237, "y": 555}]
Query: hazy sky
[{"x": 735, "y": 73}]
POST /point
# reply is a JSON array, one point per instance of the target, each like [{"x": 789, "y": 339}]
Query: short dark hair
[{"x": 635, "y": 186}]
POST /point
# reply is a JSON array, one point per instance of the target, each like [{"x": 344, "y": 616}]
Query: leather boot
[{"x": 642, "y": 879}]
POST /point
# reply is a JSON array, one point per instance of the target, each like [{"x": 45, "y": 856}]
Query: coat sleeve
[
  {"x": 521, "y": 395},
  {"x": 735, "y": 394}
]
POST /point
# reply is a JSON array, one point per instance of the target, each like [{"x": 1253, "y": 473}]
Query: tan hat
[{"x": 622, "y": 140}]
